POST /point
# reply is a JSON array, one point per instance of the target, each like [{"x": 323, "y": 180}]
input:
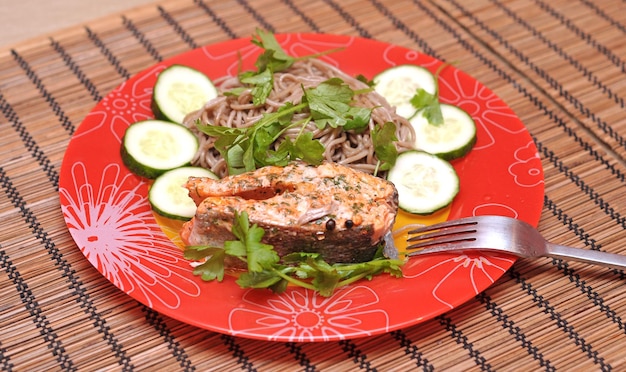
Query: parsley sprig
[
  {"x": 429, "y": 103},
  {"x": 383, "y": 139},
  {"x": 273, "y": 59},
  {"x": 266, "y": 270}
]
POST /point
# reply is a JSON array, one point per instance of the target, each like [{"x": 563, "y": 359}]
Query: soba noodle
[{"x": 344, "y": 147}]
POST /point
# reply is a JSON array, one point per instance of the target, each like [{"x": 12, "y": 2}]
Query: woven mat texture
[{"x": 560, "y": 65}]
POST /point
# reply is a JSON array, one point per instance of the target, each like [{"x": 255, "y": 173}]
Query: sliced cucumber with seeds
[
  {"x": 425, "y": 182},
  {"x": 152, "y": 147},
  {"x": 452, "y": 139},
  {"x": 398, "y": 85},
  {"x": 180, "y": 90},
  {"x": 169, "y": 198}
]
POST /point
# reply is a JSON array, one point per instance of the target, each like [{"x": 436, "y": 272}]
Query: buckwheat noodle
[{"x": 348, "y": 148}]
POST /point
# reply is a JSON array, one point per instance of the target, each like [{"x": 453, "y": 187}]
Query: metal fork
[{"x": 500, "y": 234}]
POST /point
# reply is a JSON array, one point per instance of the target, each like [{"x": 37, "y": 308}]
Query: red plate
[{"x": 107, "y": 211}]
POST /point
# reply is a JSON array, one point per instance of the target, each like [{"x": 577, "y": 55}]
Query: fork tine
[
  {"x": 443, "y": 240},
  {"x": 442, "y": 232},
  {"x": 440, "y": 239},
  {"x": 446, "y": 233},
  {"x": 469, "y": 221}
]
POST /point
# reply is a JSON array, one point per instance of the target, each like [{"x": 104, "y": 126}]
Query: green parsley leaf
[
  {"x": 265, "y": 137},
  {"x": 260, "y": 256},
  {"x": 235, "y": 91},
  {"x": 274, "y": 57},
  {"x": 213, "y": 267},
  {"x": 423, "y": 99},
  {"x": 198, "y": 252},
  {"x": 326, "y": 278},
  {"x": 329, "y": 104},
  {"x": 236, "y": 158},
  {"x": 429, "y": 104},
  {"x": 308, "y": 149},
  {"x": 280, "y": 286},
  {"x": 246, "y": 149},
  {"x": 366, "y": 81},
  {"x": 258, "y": 279},
  {"x": 263, "y": 83},
  {"x": 229, "y": 142},
  {"x": 305, "y": 148},
  {"x": 383, "y": 140},
  {"x": 218, "y": 131},
  {"x": 235, "y": 248},
  {"x": 357, "y": 118}
]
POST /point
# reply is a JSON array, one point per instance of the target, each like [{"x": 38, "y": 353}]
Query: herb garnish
[
  {"x": 267, "y": 270},
  {"x": 328, "y": 105},
  {"x": 383, "y": 140},
  {"x": 246, "y": 149},
  {"x": 273, "y": 59},
  {"x": 429, "y": 103}
]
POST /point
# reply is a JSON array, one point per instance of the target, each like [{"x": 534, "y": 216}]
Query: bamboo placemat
[{"x": 560, "y": 65}]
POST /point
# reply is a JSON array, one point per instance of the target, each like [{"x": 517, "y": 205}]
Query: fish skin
[{"x": 293, "y": 204}]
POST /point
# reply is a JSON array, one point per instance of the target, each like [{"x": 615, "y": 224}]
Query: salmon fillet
[{"x": 333, "y": 210}]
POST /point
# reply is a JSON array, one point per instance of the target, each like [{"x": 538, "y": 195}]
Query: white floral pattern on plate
[
  {"x": 526, "y": 170},
  {"x": 128, "y": 103},
  {"x": 477, "y": 269},
  {"x": 301, "y": 315},
  {"x": 120, "y": 238}
]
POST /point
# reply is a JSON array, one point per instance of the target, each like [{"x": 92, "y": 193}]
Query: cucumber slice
[
  {"x": 169, "y": 198},
  {"x": 398, "y": 85},
  {"x": 180, "y": 90},
  {"x": 452, "y": 139},
  {"x": 151, "y": 147},
  {"x": 425, "y": 182}
]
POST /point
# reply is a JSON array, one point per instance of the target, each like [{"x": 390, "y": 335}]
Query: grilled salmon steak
[{"x": 330, "y": 209}]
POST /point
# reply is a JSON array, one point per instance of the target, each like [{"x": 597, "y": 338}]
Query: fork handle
[{"x": 616, "y": 261}]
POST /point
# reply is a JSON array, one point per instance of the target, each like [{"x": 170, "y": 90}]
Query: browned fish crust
[{"x": 330, "y": 209}]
